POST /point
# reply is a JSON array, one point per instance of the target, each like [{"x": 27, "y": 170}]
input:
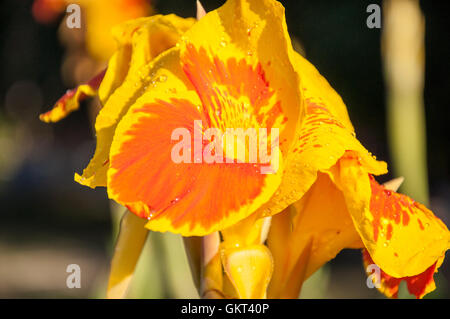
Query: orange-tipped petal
[
  {"x": 298, "y": 274},
  {"x": 402, "y": 236},
  {"x": 418, "y": 285},
  {"x": 70, "y": 101},
  {"x": 128, "y": 248},
  {"x": 249, "y": 269}
]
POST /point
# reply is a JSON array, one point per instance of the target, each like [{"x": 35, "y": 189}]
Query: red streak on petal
[
  {"x": 389, "y": 232},
  {"x": 390, "y": 205},
  {"x": 420, "y": 224}
]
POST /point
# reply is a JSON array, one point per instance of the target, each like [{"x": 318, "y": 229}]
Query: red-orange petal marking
[
  {"x": 391, "y": 207},
  {"x": 231, "y": 89},
  {"x": 187, "y": 195},
  {"x": 418, "y": 285},
  {"x": 70, "y": 101}
]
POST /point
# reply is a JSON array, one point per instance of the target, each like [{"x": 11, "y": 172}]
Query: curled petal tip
[{"x": 70, "y": 101}]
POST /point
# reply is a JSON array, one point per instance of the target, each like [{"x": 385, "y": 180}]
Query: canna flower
[{"x": 236, "y": 68}]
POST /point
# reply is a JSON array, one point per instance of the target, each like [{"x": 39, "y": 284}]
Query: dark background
[{"x": 47, "y": 219}]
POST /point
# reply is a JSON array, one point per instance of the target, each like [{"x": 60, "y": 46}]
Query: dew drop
[{"x": 162, "y": 78}]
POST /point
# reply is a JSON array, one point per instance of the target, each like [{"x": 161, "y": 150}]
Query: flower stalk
[{"x": 403, "y": 51}]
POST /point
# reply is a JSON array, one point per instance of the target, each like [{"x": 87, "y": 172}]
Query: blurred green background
[{"x": 48, "y": 221}]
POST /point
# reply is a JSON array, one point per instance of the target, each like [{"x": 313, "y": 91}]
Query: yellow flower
[{"x": 236, "y": 68}]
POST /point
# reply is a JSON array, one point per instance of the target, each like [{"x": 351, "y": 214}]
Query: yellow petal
[
  {"x": 307, "y": 235},
  {"x": 249, "y": 231},
  {"x": 403, "y": 237},
  {"x": 249, "y": 269},
  {"x": 323, "y": 135},
  {"x": 298, "y": 274},
  {"x": 128, "y": 248},
  {"x": 145, "y": 38}
]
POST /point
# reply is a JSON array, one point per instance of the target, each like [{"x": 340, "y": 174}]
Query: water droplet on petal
[{"x": 162, "y": 78}]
